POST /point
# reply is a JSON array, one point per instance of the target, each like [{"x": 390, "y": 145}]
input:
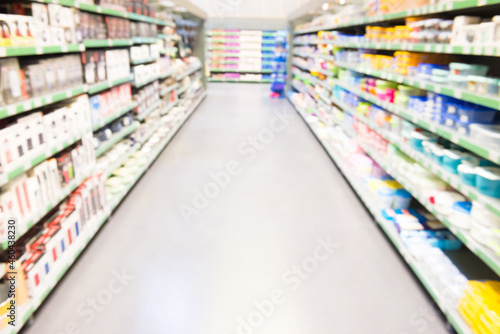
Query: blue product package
[{"x": 95, "y": 111}]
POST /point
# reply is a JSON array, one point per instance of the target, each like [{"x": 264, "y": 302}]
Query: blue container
[
  {"x": 470, "y": 113},
  {"x": 467, "y": 174},
  {"x": 450, "y": 121},
  {"x": 488, "y": 181},
  {"x": 448, "y": 241},
  {"x": 437, "y": 154},
  {"x": 451, "y": 160},
  {"x": 417, "y": 138},
  {"x": 452, "y": 107},
  {"x": 402, "y": 200},
  {"x": 462, "y": 128}
]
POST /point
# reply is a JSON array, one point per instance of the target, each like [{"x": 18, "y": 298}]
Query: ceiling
[{"x": 247, "y": 8}]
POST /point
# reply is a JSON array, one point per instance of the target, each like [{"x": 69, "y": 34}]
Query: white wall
[{"x": 248, "y": 8}]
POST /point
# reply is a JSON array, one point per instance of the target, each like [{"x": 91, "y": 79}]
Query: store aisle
[{"x": 284, "y": 246}]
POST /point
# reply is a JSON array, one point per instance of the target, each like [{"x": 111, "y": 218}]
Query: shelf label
[
  {"x": 38, "y": 50},
  {"x": 64, "y": 48},
  {"x": 11, "y": 110},
  {"x": 3, "y": 52}
]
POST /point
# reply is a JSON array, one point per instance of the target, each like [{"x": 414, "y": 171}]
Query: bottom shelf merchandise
[
  {"x": 46, "y": 252},
  {"x": 432, "y": 251}
]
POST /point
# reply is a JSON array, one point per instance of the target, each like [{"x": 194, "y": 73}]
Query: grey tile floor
[{"x": 281, "y": 246}]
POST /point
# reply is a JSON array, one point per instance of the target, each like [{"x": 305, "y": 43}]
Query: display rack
[
  {"x": 183, "y": 110},
  {"x": 331, "y": 114},
  {"x": 254, "y": 50}
]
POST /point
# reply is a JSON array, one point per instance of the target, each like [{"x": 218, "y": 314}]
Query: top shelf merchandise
[{"x": 391, "y": 10}]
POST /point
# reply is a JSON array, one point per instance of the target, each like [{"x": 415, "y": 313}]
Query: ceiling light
[
  {"x": 342, "y": 2},
  {"x": 325, "y": 6}
]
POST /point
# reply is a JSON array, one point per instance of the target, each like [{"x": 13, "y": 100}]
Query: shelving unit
[
  {"x": 116, "y": 138},
  {"x": 115, "y": 115},
  {"x": 319, "y": 83},
  {"x": 25, "y": 311},
  {"x": 250, "y": 46}
]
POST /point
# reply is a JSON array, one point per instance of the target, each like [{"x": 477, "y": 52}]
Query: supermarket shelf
[
  {"x": 455, "y": 137},
  {"x": 166, "y": 109},
  {"x": 24, "y": 165},
  {"x": 144, "y": 61},
  {"x": 322, "y": 56},
  {"x": 167, "y": 74},
  {"x": 232, "y": 70},
  {"x": 240, "y": 41},
  {"x": 238, "y": 80},
  {"x": 236, "y": 62},
  {"x": 168, "y": 50},
  {"x": 142, "y": 84},
  {"x": 167, "y": 90},
  {"x": 26, "y": 311},
  {"x": 461, "y": 94},
  {"x": 485, "y": 254},
  {"x": 145, "y": 114},
  {"x": 239, "y": 55},
  {"x": 233, "y": 48},
  {"x": 485, "y": 50},
  {"x": 17, "y": 51},
  {"x": 424, "y": 10},
  {"x": 115, "y": 115},
  {"x": 37, "y": 102},
  {"x": 144, "y": 40},
  {"x": 104, "y": 43},
  {"x": 96, "y": 88},
  {"x": 107, "y": 11},
  {"x": 452, "y": 314},
  {"x": 234, "y": 33},
  {"x": 481, "y": 251},
  {"x": 116, "y": 138},
  {"x": 313, "y": 70},
  {"x": 188, "y": 72},
  {"x": 120, "y": 161},
  {"x": 182, "y": 90},
  {"x": 35, "y": 218}
]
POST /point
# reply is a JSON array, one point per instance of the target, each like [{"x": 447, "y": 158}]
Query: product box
[
  {"x": 10, "y": 81},
  {"x": 54, "y": 185},
  {"x": 32, "y": 269},
  {"x": 36, "y": 77},
  {"x": 51, "y": 123},
  {"x": 34, "y": 193},
  {"x": 41, "y": 174},
  {"x": 19, "y": 188},
  {"x": 8, "y": 153},
  {"x": 8, "y": 205}
]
